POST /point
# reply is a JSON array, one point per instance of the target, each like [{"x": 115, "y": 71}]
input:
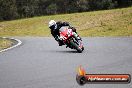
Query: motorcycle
[{"x": 68, "y": 38}]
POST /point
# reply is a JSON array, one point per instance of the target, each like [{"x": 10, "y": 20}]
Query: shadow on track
[
  {"x": 66, "y": 51},
  {"x": 60, "y": 51}
]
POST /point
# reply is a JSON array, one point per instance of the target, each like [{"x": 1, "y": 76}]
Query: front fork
[{"x": 76, "y": 36}]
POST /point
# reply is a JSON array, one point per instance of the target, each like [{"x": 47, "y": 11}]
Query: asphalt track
[{"x": 40, "y": 63}]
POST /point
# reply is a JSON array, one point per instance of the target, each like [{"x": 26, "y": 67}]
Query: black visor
[{"x": 52, "y": 27}]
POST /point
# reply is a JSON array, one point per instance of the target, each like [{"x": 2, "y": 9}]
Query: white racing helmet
[{"x": 52, "y": 25}]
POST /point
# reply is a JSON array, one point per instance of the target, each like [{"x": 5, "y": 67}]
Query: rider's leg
[{"x": 60, "y": 42}]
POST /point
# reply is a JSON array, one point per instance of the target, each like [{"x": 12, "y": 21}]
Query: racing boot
[{"x": 60, "y": 42}]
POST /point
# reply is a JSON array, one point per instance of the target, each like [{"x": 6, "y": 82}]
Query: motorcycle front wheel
[{"x": 76, "y": 46}]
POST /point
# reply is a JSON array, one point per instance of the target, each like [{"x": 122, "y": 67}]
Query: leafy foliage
[{"x": 13, "y": 9}]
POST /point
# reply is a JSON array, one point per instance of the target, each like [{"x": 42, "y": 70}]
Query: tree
[
  {"x": 124, "y": 3},
  {"x": 82, "y": 5},
  {"x": 27, "y": 8},
  {"x": 51, "y": 9},
  {"x": 72, "y": 6},
  {"x": 101, "y": 4},
  {"x": 8, "y": 10},
  {"x": 13, "y": 9}
]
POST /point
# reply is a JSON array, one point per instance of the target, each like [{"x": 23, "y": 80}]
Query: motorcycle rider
[{"x": 55, "y": 26}]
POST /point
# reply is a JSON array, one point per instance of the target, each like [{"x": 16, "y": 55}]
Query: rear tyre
[{"x": 76, "y": 47}]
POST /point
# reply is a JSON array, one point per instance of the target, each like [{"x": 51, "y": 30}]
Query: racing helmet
[{"x": 52, "y": 25}]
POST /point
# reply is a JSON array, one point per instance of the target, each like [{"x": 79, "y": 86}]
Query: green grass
[
  {"x": 116, "y": 22},
  {"x": 5, "y": 43}
]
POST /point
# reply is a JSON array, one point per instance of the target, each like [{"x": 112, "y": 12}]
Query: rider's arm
[
  {"x": 65, "y": 24},
  {"x": 60, "y": 23},
  {"x": 55, "y": 35}
]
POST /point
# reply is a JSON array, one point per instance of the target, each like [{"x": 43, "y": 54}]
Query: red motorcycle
[{"x": 67, "y": 35}]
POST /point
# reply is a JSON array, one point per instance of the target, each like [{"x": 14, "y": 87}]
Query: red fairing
[
  {"x": 66, "y": 33},
  {"x": 69, "y": 38}
]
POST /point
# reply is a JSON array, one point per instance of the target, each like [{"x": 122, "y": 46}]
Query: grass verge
[
  {"x": 5, "y": 43},
  {"x": 115, "y": 22}
]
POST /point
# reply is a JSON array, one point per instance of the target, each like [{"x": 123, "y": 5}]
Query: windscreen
[{"x": 63, "y": 28}]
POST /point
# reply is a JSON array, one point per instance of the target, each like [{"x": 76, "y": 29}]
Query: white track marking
[{"x": 19, "y": 43}]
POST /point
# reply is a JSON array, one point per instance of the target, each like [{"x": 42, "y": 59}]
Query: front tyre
[{"x": 76, "y": 46}]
